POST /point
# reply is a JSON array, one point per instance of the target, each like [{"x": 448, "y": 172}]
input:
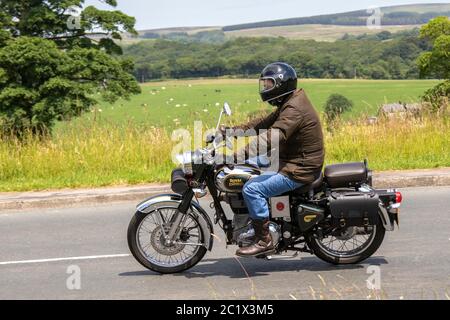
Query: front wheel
[
  {"x": 350, "y": 245},
  {"x": 147, "y": 242}
]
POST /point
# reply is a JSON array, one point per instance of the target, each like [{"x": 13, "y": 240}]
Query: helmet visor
[{"x": 266, "y": 84}]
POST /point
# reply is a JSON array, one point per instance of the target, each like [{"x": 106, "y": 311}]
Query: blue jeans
[{"x": 257, "y": 190}]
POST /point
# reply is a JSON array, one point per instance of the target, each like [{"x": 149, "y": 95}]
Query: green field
[{"x": 173, "y": 104}]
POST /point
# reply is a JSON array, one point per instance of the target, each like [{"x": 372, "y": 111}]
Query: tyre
[
  {"x": 337, "y": 249},
  {"x": 147, "y": 243}
]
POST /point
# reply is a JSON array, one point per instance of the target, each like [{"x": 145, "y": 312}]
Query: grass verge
[{"x": 93, "y": 155}]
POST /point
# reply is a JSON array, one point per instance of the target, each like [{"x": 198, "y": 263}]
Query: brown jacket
[{"x": 301, "y": 144}]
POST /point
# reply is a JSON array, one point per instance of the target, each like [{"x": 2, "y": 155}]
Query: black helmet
[{"x": 276, "y": 81}]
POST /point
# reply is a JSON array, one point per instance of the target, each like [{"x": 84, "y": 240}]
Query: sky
[{"x": 153, "y": 14}]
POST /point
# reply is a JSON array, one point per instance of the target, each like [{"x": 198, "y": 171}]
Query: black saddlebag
[{"x": 353, "y": 209}]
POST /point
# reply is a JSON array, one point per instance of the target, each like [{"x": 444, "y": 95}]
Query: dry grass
[
  {"x": 392, "y": 144},
  {"x": 94, "y": 155},
  {"x": 83, "y": 157}
]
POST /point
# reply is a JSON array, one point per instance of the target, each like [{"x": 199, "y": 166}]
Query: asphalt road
[{"x": 43, "y": 251}]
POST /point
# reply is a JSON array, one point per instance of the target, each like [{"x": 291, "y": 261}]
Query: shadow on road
[{"x": 230, "y": 267}]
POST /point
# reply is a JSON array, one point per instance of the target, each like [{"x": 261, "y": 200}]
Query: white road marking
[{"x": 65, "y": 259}]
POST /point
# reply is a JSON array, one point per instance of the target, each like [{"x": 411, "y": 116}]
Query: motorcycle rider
[{"x": 301, "y": 149}]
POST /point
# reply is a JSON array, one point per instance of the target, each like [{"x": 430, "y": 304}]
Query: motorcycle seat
[
  {"x": 311, "y": 186},
  {"x": 346, "y": 174}
]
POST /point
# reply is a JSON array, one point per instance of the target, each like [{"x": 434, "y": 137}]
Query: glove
[{"x": 223, "y": 129}]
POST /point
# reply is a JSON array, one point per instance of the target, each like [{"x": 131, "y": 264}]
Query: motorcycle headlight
[
  {"x": 185, "y": 160},
  {"x": 188, "y": 159}
]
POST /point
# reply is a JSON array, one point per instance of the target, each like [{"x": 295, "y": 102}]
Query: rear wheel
[{"x": 350, "y": 245}]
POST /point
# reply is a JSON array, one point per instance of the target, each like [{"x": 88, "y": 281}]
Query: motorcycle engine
[{"x": 243, "y": 232}]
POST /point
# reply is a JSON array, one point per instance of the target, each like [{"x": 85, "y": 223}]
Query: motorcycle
[{"x": 339, "y": 217}]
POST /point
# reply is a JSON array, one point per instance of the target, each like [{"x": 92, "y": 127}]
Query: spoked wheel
[
  {"x": 148, "y": 243},
  {"x": 350, "y": 245}
]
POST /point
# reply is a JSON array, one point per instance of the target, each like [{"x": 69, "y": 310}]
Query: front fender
[{"x": 173, "y": 199}]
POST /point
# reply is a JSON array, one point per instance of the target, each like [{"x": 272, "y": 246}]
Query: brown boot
[{"x": 263, "y": 242}]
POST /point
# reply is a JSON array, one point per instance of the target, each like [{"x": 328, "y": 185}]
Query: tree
[
  {"x": 336, "y": 105},
  {"x": 53, "y": 62},
  {"x": 384, "y": 35},
  {"x": 394, "y": 67},
  {"x": 151, "y": 35},
  {"x": 437, "y": 61},
  {"x": 376, "y": 59},
  {"x": 438, "y": 97}
]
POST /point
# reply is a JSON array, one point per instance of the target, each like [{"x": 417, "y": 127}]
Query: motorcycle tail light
[{"x": 398, "y": 197}]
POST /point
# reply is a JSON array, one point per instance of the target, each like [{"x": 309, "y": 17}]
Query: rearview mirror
[{"x": 227, "y": 109}]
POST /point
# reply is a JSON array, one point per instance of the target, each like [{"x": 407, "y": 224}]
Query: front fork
[
  {"x": 184, "y": 206},
  {"x": 180, "y": 217}
]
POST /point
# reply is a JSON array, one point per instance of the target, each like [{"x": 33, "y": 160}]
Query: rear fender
[{"x": 173, "y": 200}]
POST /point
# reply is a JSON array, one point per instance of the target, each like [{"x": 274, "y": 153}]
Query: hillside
[
  {"x": 187, "y": 30},
  {"x": 418, "y": 8},
  {"x": 318, "y": 32},
  {"x": 329, "y": 27},
  {"x": 393, "y": 15}
]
